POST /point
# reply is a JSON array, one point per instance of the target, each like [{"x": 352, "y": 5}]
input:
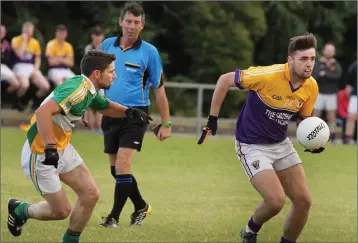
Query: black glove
[
  {"x": 51, "y": 155},
  {"x": 137, "y": 114},
  {"x": 315, "y": 151},
  {"x": 210, "y": 127}
]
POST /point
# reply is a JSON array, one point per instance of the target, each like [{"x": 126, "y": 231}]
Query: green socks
[
  {"x": 71, "y": 237},
  {"x": 22, "y": 211}
]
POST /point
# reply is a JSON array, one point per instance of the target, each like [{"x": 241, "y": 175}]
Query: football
[{"x": 313, "y": 133}]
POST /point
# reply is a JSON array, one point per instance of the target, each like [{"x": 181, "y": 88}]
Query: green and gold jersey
[{"x": 74, "y": 97}]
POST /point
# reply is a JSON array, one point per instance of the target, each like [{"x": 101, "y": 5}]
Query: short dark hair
[
  {"x": 95, "y": 60},
  {"x": 97, "y": 30},
  {"x": 301, "y": 43},
  {"x": 61, "y": 27},
  {"x": 133, "y": 8}
]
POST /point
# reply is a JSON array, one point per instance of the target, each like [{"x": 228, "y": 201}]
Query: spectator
[
  {"x": 327, "y": 72},
  {"x": 92, "y": 117},
  {"x": 342, "y": 110},
  {"x": 60, "y": 57},
  {"x": 6, "y": 73},
  {"x": 352, "y": 107},
  {"x": 27, "y": 63}
]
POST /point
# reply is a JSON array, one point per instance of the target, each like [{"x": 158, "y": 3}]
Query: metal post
[{"x": 199, "y": 108}]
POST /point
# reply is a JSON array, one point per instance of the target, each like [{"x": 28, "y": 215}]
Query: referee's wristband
[{"x": 166, "y": 124}]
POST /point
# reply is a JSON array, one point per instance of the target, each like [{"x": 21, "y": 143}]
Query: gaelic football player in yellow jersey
[
  {"x": 60, "y": 57},
  {"x": 48, "y": 158},
  {"x": 276, "y": 93},
  {"x": 27, "y": 63}
]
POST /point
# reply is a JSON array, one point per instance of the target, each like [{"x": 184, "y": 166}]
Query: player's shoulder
[
  {"x": 109, "y": 40},
  {"x": 68, "y": 44},
  {"x": 35, "y": 41},
  {"x": 51, "y": 43},
  {"x": 149, "y": 47},
  {"x": 312, "y": 84},
  {"x": 71, "y": 84},
  {"x": 16, "y": 40},
  {"x": 265, "y": 70}
]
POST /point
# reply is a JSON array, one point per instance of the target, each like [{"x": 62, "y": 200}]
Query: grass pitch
[{"x": 198, "y": 193}]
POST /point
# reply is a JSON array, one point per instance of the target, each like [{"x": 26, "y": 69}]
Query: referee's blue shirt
[{"x": 137, "y": 68}]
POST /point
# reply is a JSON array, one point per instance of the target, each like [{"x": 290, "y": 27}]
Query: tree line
[{"x": 198, "y": 41}]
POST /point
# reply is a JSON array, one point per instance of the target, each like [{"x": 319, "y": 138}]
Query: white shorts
[
  {"x": 60, "y": 73},
  {"x": 6, "y": 72},
  {"x": 24, "y": 69},
  {"x": 326, "y": 102},
  {"x": 255, "y": 158},
  {"x": 352, "y": 106},
  {"x": 46, "y": 177}
]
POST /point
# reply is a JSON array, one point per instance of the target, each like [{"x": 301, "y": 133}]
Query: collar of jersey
[
  {"x": 92, "y": 89},
  {"x": 288, "y": 75},
  {"x": 136, "y": 44}
]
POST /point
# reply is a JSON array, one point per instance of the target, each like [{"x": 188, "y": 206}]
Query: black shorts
[{"x": 122, "y": 133}]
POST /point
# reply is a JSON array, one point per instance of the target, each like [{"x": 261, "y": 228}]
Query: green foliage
[{"x": 198, "y": 41}]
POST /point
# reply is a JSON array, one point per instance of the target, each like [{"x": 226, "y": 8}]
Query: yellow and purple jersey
[
  {"x": 54, "y": 49},
  {"x": 271, "y": 103},
  {"x": 33, "y": 49}
]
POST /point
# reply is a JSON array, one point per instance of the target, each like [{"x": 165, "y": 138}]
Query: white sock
[{"x": 248, "y": 230}]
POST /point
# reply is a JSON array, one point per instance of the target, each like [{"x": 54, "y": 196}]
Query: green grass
[{"x": 198, "y": 193}]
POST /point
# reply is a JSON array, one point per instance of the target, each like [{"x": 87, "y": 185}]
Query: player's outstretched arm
[
  {"x": 117, "y": 110},
  {"x": 224, "y": 83}
]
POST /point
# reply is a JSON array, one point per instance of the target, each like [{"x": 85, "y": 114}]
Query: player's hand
[
  {"x": 51, "y": 155},
  {"x": 210, "y": 127},
  {"x": 164, "y": 133},
  {"x": 133, "y": 113},
  {"x": 315, "y": 151}
]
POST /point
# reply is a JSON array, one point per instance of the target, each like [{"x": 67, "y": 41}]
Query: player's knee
[
  {"x": 276, "y": 203},
  {"x": 62, "y": 213},
  {"x": 92, "y": 196},
  {"x": 303, "y": 203}
]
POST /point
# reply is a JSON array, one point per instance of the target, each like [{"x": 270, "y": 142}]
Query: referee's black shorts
[{"x": 123, "y": 133}]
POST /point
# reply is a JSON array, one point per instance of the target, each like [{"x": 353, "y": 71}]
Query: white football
[{"x": 313, "y": 133}]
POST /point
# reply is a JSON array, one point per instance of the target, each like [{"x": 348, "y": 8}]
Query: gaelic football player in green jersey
[{"x": 48, "y": 158}]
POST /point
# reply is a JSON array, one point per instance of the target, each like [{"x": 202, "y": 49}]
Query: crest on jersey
[
  {"x": 299, "y": 104},
  {"x": 256, "y": 164}
]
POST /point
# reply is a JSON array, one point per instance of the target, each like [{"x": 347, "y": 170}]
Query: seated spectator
[
  {"x": 60, "y": 57},
  {"x": 7, "y": 74},
  {"x": 27, "y": 62}
]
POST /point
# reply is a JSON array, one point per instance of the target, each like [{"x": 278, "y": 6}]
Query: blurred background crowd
[{"x": 42, "y": 44}]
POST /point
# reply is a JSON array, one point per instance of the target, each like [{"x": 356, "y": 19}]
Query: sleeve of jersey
[
  {"x": 155, "y": 69},
  {"x": 307, "y": 108},
  {"x": 49, "y": 50},
  {"x": 104, "y": 45},
  {"x": 68, "y": 95},
  {"x": 70, "y": 51},
  {"x": 15, "y": 42},
  {"x": 250, "y": 78},
  {"x": 37, "y": 49},
  {"x": 99, "y": 102}
]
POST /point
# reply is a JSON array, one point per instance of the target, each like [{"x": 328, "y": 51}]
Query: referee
[{"x": 138, "y": 66}]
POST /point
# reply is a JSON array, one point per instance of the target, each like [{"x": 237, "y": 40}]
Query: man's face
[
  {"x": 3, "y": 31},
  {"x": 28, "y": 30},
  {"x": 61, "y": 35},
  {"x": 302, "y": 63},
  {"x": 97, "y": 39},
  {"x": 329, "y": 51},
  {"x": 131, "y": 26},
  {"x": 106, "y": 77}
]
